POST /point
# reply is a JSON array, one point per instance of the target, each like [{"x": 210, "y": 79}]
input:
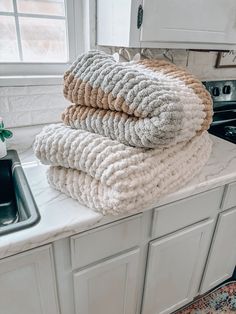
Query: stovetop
[
  {"x": 226, "y": 131},
  {"x": 224, "y": 105}
]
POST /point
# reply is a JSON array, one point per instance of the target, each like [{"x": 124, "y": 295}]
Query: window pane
[
  {"x": 6, "y": 5},
  {"x": 43, "y": 40},
  {"x": 48, "y": 7},
  {"x": 8, "y": 41}
]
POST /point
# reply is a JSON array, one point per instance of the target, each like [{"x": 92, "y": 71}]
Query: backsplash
[
  {"x": 23, "y": 137},
  {"x": 199, "y": 63},
  {"x": 31, "y": 105}
]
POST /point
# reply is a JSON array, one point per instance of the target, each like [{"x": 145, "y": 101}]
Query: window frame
[{"x": 33, "y": 73}]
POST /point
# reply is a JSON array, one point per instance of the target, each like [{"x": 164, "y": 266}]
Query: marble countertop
[{"x": 62, "y": 216}]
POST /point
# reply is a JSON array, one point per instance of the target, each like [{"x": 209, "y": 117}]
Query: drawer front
[
  {"x": 230, "y": 197},
  {"x": 99, "y": 243},
  {"x": 183, "y": 213}
]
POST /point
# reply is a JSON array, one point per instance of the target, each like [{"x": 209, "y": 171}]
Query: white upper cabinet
[
  {"x": 206, "y": 24},
  {"x": 117, "y": 23},
  {"x": 193, "y": 21}
]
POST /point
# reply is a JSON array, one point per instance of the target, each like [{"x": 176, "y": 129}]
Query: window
[{"x": 39, "y": 37}]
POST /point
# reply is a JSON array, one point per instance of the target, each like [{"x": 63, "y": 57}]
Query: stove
[{"x": 224, "y": 105}]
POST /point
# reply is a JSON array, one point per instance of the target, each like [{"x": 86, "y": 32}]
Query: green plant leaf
[
  {"x": 2, "y": 138},
  {"x": 7, "y": 133}
]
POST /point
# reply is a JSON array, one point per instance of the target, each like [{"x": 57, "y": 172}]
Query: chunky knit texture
[
  {"x": 111, "y": 177},
  {"x": 144, "y": 104}
]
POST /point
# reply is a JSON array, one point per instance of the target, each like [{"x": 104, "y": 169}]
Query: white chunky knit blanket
[
  {"x": 111, "y": 177},
  {"x": 143, "y": 104}
]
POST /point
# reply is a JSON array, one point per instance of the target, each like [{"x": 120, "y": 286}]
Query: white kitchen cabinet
[
  {"x": 27, "y": 283},
  {"x": 174, "y": 269},
  {"x": 109, "y": 286},
  {"x": 100, "y": 243},
  {"x": 150, "y": 263},
  {"x": 167, "y": 23},
  {"x": 229, "y": 200},
  {"x": 188, "y": 211},
  {"x": 222, "y": 257}
]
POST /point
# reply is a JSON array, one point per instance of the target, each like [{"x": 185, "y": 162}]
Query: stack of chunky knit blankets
[{"x": 135, "y": 131}]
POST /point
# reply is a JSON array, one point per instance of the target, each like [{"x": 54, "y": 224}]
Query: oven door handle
[{"x": 222, "y": 121}]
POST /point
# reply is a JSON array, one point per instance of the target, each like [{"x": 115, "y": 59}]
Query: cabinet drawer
[
  {"x": 105, "y": 241},
  {"x": 180, "y": 214},
  {"x": 230, "y": 197}
]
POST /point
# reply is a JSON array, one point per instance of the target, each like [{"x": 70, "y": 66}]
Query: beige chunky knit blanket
[
  {"x": 111, "y": 177},
  {"x": 143, "y": 104}
]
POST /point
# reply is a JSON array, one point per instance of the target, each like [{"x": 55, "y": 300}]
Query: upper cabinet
[{"x": 199, "y": 24}]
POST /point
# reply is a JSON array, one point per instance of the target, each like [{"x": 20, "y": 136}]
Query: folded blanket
[
  {"x": 111, "y": 177},
  {"x": 144, "y": 104}
]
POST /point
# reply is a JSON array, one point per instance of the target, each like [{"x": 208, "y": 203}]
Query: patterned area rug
[{"x": 219, "y": 301}]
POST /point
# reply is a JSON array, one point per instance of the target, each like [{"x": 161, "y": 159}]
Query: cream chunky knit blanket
[
  {"x": 111, "y": 177},
  {"x": 143, "y": 104}
]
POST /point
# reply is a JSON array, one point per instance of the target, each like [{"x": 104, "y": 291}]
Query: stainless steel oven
[{"x": 224, "y": 103}]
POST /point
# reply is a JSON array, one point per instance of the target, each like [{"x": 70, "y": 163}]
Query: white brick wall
[{"x": 31, "y": 105}]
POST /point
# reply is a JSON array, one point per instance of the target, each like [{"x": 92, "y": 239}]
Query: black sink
[{"x": 18, "y": 209}]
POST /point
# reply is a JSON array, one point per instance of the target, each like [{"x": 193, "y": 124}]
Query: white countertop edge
[{"x": 219, "y": 171}]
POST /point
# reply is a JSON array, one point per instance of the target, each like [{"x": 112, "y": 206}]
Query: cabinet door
[
  {"x": 27, "y": 283},
  {"x": 108, "y": 287},
  {"x": 222, "y": 257},
  {"x": 174, "y": 271},
  {"x": 196, "y": 21}
]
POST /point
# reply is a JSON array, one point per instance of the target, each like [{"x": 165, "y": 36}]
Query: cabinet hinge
[{"x": 140, "y": 16}]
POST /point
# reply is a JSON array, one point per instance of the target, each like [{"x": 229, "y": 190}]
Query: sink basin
[{"x": 18, "y": 209}]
